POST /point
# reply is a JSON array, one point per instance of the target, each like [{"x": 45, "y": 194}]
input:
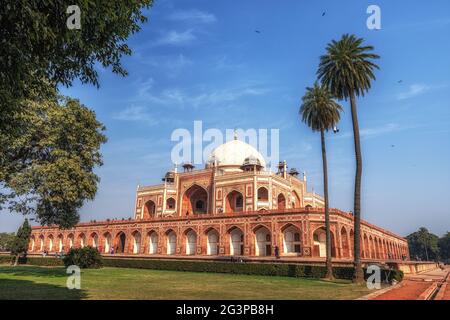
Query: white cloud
[
  {"x": 372, "y": 132},
  {"x": 413, "y": 90},
  {"x": 135, "y": 113},
  {"x": 193, "y": 16},
  {"x": 176, "y": 38},
  {"x": 208, "y": 98}
]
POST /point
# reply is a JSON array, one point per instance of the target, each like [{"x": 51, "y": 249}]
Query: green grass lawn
[{"x": 30, "y": 282}]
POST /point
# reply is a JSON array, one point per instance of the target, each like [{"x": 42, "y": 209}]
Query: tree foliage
[
  {"x": 319, "y": 111},
  {"x": 49, "y": 146},
  {"x": 47, "y": 162},
  {"x": 5, "y": 241},
  {"x": 87, "y": 257},
  {"x": 347, "y": 67},
  {"x": 444, "y": 247},
  {"x": 19, "y": 244},
  {"x": 423, "y": 245},
  {"x": 36, "y": 43}
]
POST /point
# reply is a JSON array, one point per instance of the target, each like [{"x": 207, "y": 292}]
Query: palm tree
[
  {"x": 347, "y": 70},
  {"x": 321, "y": 113}
]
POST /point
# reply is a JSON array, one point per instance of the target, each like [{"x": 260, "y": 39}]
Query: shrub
[{"x": 86, "y": 257}]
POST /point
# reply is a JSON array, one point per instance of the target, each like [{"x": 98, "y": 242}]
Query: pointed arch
[
  {"x": 152, "y": 240},
  {"x": 171, "y": 242},
  {"x": 212, "y": 241},
  {"x": 263, "y": 194},
  {"x": 291, "y": 239},
  {"x": 120, "y": 242},
  {"x": 281, "y": 202},
  {"x": 194, "y": 200},
  {"x": 70, "y": 241},
  {"x": 149, "y": 209},
  {"x": 236, "y": 241},
  {"x": 136, "y": 236},
  {"x": 345, "y": 245},
  {"x": 234, "y": 202},
  {"x": 319, "y": 239},
  {"x": 296, "y": 203},
  {"x": 82, "y": 240},
  {"x": 93, "y": 240},
  {"x": 60, "y": 243},
  {"x": 171, "y": 204},
  {"x": 263, "y": 240},
  {"x": 107, "y": 244}
]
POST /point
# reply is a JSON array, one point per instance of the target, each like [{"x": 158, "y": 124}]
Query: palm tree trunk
[
  {"x": 329, "y": 274},
  {"x": 358, "y": 276}
]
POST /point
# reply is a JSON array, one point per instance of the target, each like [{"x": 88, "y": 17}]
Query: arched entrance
[
  {"x": 236, "y": 242},
  {"x": 263, "y": 243},
  {"x": 136, "y": 242},
  {"x": 94, "y": 240},
  {"x": 71, "y": 241},
  {"x": 281, "y": 202},
  {"x": 170, "y": 204},
  {"x": 263, "y": 194},
  {"x": 60, "y": 243},
  {"x": 296, "y": 198},
  {"x": 212, "y": 242},
  {"x": 291, "y": 240},
  {"x": 320, "y": 243},
  {"x": 152, "y": 242},
  {"x": 120, "y": 242},
  {"x": 50, "y": 243},
  {"x": 171, "y": 242},
  {"x": 82, "y": 240},
  {"x": 366, "y": 247},
  {"x": 234, "y": 202},
  {"x": 191, "y": 242},
  {"x": 149, "y": 209},
  {"x": 32, "y": 243},
  {"x": 41, "y": 243},
  {"x": 345, "y": 243},
  {"x": 195, "y": 201},
  {"x": 107, "y": 242}
]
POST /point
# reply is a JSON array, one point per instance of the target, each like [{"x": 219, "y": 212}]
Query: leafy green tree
[
  {"x": 423, "y": 245},
  {"x": 19, "y": 245},
  {"x": 48, "y": 168},
  {"x": 444, "y": 247},
  {"x": 37, "y": 43},
  {"x": 5, "y": 241},
  {"x": 86, "y": 257},
  {"x": 321, "y": 113},
  {"x": 347, "y": 70},
  {"x": 38, "y": 53}
]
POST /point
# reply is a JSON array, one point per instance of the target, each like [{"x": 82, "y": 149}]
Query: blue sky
[{"x": 203, "y": 60}]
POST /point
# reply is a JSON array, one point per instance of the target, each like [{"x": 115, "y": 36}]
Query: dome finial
[{"x": 235, "y": 134}]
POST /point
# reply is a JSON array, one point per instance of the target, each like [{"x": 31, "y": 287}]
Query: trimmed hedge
[
  {"x": 36, "y": 261},
  {"x": 264, "y": 269}
]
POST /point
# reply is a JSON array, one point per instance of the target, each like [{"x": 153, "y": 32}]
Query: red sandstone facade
[{"x": 233, "y": 207}]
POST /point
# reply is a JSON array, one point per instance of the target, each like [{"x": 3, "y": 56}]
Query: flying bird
[
  {"x": 257, "y": 31},
  {"x": 323, "y": 14},
  {"x": 400, "y": 81}
]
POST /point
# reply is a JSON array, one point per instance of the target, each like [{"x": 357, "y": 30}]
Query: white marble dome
[{"x": 234, "y": 153}]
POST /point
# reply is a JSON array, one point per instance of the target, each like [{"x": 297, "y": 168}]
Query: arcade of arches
[{"x": 259, "y": 236}]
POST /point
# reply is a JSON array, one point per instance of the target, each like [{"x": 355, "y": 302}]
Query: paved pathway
[{"x": 419, "y": 286}]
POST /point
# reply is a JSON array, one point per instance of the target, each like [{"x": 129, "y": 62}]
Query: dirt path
[{"x": 419, "y": 286}]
